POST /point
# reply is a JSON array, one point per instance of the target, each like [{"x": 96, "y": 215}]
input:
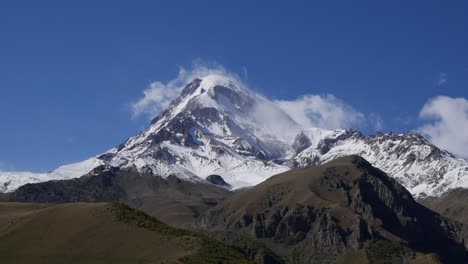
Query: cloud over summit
[
  {"x": 159, "y": 95},
  {"x": 310, "y": 110},
  {"x": 323, "y": 111}
]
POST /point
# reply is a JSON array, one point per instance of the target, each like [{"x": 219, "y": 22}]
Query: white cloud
[
  {"x": 326, "y": 112},
  {"x": 446, "y": 123},
  {"x": 267, "y": 114},
  {"x": 159, "y": 95},
  {"x": 323, "y": 111},
  {"x": 155, "y": 98}
]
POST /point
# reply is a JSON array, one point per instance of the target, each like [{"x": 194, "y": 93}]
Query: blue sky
[{"x": 70, "y": 71}]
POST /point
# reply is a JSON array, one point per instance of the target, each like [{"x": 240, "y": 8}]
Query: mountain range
[
  {"x": 217, "y": 126},
  {"x": 338, "y": 210},
  {"x": 225, "y": 175},
  {"x": 343, "y": 211}
]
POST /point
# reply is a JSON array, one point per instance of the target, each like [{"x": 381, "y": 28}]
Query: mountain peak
[
  {"x": 210, "y": 128},
  {"x": 218, "y": 126},
  {"x": 208, "y": 83},
  {"x": 213, "y": 80},
  {"x": 209, "y": 92}
]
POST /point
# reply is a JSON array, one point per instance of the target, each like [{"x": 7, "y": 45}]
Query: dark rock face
[
  {"x": 174, "y": 201},
  {"x": 300, "y": 143},
  {"x": 205, "y": 115},
  {"x": 164, "y": 135},
  {"x": 179, "y": 131},
  {"x": 315, "y": 214},
  {"x": 162, "y": 153},
  {"x": 453, "y": 204},
  {"x": 86, "y": 189},
  {"x": 217, "y": 180}
]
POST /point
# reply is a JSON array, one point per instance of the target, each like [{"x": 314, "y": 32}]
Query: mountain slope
[
  {"x": 10, "y": 181},
  {"x": 315, "y": 214},
  {"x": 452, "y": 204},
  {"x": 217, "y": 126},
  {"x": 100, "y": 233},
  {"x": 421, "y": 167},
  {"x": 211, "y": 128},
  {"x": 171, "y": 200}
]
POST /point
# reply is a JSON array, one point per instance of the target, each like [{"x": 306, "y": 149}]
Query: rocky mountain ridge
[
  {"x": 217, "y": 126},
  {"x": 316, "y": 214}
]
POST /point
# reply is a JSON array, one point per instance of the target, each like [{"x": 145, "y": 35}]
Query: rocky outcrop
[
  {"x": 217, "y": 180},
  {"x": 318, "y": 213},
  {"x": 85, "y": 189},
  {"x": 300, "y": 143}
]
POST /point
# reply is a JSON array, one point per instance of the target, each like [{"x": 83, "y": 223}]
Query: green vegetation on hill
[
  {"x": 347, "y": 206},
  {"x": 100, "y": 233},
  {"x": 211, "y": 251},
  {"x": 384, "y": 251}
]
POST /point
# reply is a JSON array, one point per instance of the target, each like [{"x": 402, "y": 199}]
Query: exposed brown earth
[
  {"x": 318, "y": 214},
  {"x": 99, "y": 233},
  {"x": 172, "y": 200},
  {"x": 453, "y": 204},
  {"x": 345, "y": 211}
]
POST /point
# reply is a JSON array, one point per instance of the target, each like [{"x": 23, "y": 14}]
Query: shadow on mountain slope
[
  {"x": 316, "y": 214},
  {"x": 171, "y": 200},
  {"x": 100, "y": 233}
]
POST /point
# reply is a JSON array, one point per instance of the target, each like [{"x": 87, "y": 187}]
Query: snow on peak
[
  {"x": 210, "y": 81},
  {"x": 422, "y": 168},
  {"x": 10, "y": 181},
  {"x": 218, "y": 126},
  {"x": 215, "y": 126}
]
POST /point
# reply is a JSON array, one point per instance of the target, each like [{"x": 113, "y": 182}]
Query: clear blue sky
[{"x": 69, "y": 69}]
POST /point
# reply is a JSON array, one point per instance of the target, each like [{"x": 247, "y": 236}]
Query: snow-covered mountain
[
  {"x": 10, "y": 181},
  {"x": 421, "y": 167},
  {"x": 217, "y": 126},
  {"x": 213, "y": 127}
]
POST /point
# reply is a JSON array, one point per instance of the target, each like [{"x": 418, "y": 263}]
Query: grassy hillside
[
  {"x": 347, "y": 206},
  {"x": 171, "y": 200},
  {"x": 453, "y": 204},
  {"x": 100, "y": 233}
]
